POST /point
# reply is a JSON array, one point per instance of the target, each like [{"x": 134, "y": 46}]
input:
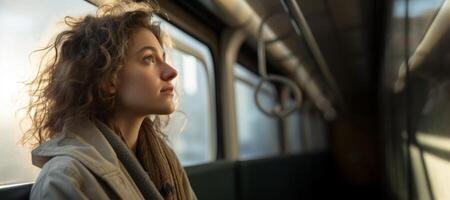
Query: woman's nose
[{"x": 168, "y": 73}]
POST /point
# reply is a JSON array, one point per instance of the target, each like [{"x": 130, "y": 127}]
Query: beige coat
[{"x": 79, "y": 163}]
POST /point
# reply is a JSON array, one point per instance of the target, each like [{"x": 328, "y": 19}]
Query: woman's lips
[{"x": 167, "y": 91}]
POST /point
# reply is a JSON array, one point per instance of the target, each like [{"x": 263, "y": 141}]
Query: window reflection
[
  {"x": 420, "y": 178},
  {"x": 439, "y": 170},
  {"x": 422, "y": 14}
]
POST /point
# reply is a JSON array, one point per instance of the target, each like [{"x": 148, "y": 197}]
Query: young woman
[{"x": 94, "y": 111}]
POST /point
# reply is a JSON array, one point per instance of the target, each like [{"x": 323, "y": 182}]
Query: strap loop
[{"x": 262, "y": 69}]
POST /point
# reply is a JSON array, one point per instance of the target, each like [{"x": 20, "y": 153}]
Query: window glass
[
  {"x": 421, "y": 15},
  {"x": 26, "y": 26},
  {"x": 191, "y": 128},
  {"x": 257, "y": 133},
  {"x": 294, "y": 133},
  {"x": 314, "y": 131}
]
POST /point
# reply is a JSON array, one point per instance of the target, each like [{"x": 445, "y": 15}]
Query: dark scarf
[{"x": 132, "y": 165}]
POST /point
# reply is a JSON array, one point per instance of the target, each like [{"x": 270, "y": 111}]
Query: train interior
[{"x": 281, "y": 99}]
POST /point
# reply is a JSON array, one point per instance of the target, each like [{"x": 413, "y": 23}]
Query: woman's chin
[
  {"x": 166, "y": 110},
  {"x": 162, "y": 109}
]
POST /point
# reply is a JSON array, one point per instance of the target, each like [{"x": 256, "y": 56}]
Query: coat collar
[{"x": 82, "y": 140}]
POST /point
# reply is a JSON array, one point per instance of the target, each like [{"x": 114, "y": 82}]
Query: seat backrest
[
  {"x": 304, "y": 176},
  {"x": 209, "y": 181},
  {"x": 283, "y": 177},
  {"x": 16, "y": 192},
  {"x": 213, "y": 180}
]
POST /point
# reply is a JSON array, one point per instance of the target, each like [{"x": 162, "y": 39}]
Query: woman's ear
[
  {"x": 109, "y": 87},
  {"x": 112, "y": 89}
]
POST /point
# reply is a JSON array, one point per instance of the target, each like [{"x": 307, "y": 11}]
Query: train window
[
  {"x": 439, "y": 172},
  {"x": 294, "y": 133},
  {"x": 422, "y": 14},
  {"x": 257, "y": 133},
  {"x": 317, "y": 132},
  {"x": 191, "y": 129},
  {"x": 25, "y": 27}
]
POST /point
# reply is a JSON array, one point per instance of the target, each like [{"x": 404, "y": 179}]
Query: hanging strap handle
[{"x": 277, "y": 111}]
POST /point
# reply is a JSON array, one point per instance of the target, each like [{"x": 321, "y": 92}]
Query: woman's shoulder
[
  {"x": 60, "y": 167},
  {"x": 61, "y": 174},
  {"x": 64, "y": 177}
]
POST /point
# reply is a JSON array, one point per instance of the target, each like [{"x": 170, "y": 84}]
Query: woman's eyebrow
[{"x": 152, "y": 49}]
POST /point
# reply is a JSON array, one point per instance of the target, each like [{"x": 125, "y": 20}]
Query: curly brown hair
[{"x": 77, "y": 64}]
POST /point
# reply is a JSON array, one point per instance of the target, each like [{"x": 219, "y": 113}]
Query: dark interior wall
[
  {"x": 355, "y": 137},
  {"x": 354, "y": 145}
]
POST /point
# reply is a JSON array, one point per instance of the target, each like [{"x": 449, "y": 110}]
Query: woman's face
[{"x": 144, "y": 85}]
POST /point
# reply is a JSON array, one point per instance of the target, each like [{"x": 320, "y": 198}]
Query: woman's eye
[{"x": 149, "y": 59}]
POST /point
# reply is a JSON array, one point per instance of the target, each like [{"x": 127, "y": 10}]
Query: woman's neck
[{"x": 129, "y": 125}]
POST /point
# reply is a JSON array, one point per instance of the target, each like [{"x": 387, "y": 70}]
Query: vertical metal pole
[{"x": 231, "y": 42}]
